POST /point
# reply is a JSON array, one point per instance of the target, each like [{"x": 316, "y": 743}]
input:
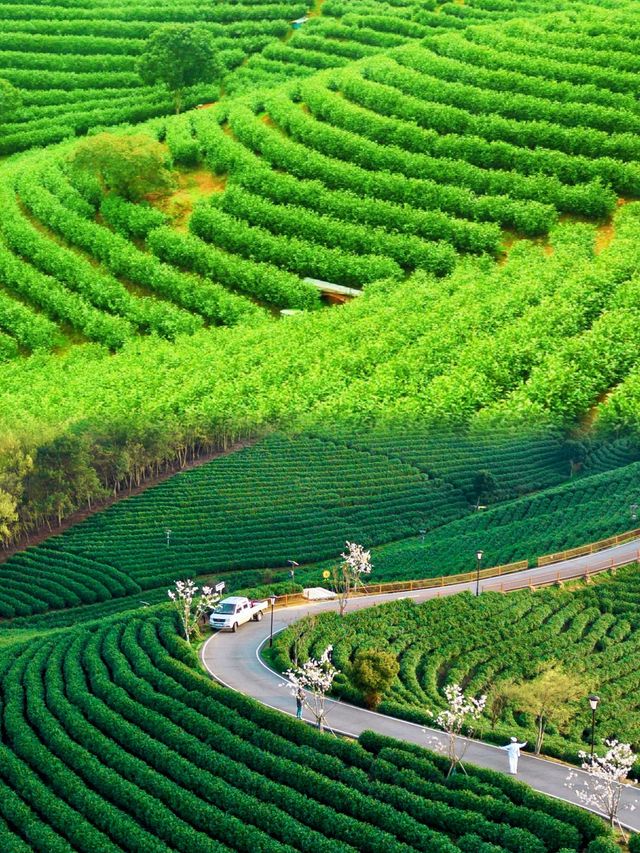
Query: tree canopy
[
  {"x": 373, "y": 673},
  {"x": 131, "y": 166},
  {"x": 10, "y": 100},
  {"x": 550, "y": 697},
  {"x": 178, "y": 56}
]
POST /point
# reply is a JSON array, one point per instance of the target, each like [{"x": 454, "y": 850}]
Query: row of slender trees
[{"x": 44, "y": 481}]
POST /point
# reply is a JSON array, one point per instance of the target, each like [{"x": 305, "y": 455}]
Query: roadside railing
[
  {"x": 501, "y": 571},
  {"x": 591, "y": 548}
]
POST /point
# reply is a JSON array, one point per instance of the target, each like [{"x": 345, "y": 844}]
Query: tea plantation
[
  {"x": 593, "y": 630},
  {"x": 470, "y": 172},
  {"x": 113, "y": 741},
  {"x": 427, "y": 141}
]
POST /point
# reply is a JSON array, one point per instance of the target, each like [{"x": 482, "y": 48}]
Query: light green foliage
[
  {"x": 8, "y": 515},
  {"x": 373, "y": 673},
  {"x": 9, "y": 100},
  {"x": 551, "y": 697},
  {"x": 131, "y": 166}
]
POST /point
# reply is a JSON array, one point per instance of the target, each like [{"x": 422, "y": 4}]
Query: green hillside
[
  {"x": 470, "y": 171},
  {"x": 400, "y": 163},
  {"x": 539, "y": 339},
  {"x": 242, "y": 517}
]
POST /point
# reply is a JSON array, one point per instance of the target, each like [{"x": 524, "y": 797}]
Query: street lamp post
[
  {"x": 479, "y": 556},
  {"x": 272, "y": 601},
  {"x": 423, "y": 533},
  {"x": 292, "y": 570},
  {"x": 593, "y": 702}
]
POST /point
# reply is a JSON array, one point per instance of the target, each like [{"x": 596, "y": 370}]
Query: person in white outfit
[{"x": 513, "y": 751}]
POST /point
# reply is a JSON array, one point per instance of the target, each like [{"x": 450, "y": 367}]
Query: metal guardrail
[
  {"x": 424, "y": 583},
  {"x": 501, "y": 571},
  {"x": 591, "y": 548}
]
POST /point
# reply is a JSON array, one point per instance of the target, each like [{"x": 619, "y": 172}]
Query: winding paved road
[{"x": 234, "y": 660}]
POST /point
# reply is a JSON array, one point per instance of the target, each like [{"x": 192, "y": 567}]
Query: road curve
[{"x": 234, "y": 660}]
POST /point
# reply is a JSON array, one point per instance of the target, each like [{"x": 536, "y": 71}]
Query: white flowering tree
[
  {"x": 459, "y": 717},
  {"x": 312, "y": 681},
  {"x": 191, "y": 605},
  {"x": 604, "y": 783},
  {"x": 347, "y": 577}
]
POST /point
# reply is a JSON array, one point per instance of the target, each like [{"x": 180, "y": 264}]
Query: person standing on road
[
  {"x": 513, "y": 751},
  {"x": 299, "y": 702}
]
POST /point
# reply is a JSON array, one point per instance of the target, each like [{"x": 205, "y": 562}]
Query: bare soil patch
[{"x": 192, "y": 185}]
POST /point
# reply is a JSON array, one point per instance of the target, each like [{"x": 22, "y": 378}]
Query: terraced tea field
[
  {"x": 241, "y": 518},
  {"x": 470, "y": 170},
  {"x": 112, "y": 741},
  {"x": 433, "y": 143},
  {"x": 74, "y": 64}
]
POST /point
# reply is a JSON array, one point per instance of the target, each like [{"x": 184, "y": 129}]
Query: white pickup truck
[{"x": 236, "y": 610}]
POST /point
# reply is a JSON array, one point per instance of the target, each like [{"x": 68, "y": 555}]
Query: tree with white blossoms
[
  {"x": 356, "y": 562},
  {"x": 190, "y": 605},
  {"x": 458, "y": 717},
  {"x": 313, "y": 681},
  {"x": 603, "y": 786}
]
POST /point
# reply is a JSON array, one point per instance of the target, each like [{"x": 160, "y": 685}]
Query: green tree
[
  {"x": 575, "y": 453},
  {"x": 485, "y": 486},
  {"x": 131, "y": 166},
  {"x": 178, "y": 56},
  {"x": 373, "y": 673},
  {"x": 550, "y": 698},
  {"x": 15, "y": 465},
  {"x": 500, "y": 697},
  {"x": 10, "y": 100},
  {"x": 62, "y": 479},
  {"x": 8, "y": 515}
]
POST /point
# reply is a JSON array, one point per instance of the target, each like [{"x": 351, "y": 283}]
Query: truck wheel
[
  {"x": 258, "y": 616},
  {"x": 234, "y": 627}
]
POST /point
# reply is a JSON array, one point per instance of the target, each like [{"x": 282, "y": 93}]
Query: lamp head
[
  {"x": 593, "y": 701},
  {"x": 272, "y": 600},
  {"x": 479, "y": 555}
]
